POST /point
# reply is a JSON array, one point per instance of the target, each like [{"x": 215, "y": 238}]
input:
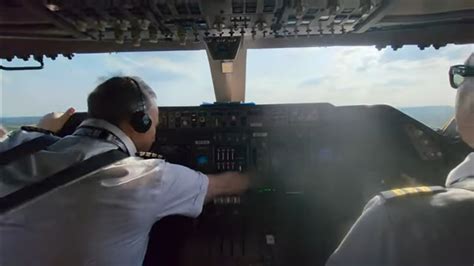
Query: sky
[{"x": 339, "y": 75}]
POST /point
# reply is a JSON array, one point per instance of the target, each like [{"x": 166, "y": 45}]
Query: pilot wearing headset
[
  {"x": 103, "y": 219},
  {"x": 423, "y": 225}
]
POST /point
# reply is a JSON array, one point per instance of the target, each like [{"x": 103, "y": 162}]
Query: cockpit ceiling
[{"x": 51, "y": 27}]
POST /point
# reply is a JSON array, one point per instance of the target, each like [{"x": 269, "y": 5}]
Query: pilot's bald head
[{"x": 465, "y": 107}]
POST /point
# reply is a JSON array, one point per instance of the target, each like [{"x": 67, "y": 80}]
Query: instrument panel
[{"x": 316, "y": 166}]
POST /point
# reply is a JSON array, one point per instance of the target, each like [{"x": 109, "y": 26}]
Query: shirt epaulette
[
  {"x": 394, "y": 193},
  {"x": 149, "y": 155},
  {"x": 37, "y": 129}
]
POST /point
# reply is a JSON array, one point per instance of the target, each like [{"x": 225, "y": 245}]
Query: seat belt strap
[
  {"x": 67, "y": 176},
  {"x": 27, "y": 148}
]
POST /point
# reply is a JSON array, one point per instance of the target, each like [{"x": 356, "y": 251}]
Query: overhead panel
[
  {"x": 68, "y": 26},
  {"x": 183, "y": 22}
]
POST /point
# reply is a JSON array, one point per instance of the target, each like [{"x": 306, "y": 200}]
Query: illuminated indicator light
[
  {"x": 201, "y": 160},
  {"x": 266, "y": 190},
  {"x": 270, "y": 239}
]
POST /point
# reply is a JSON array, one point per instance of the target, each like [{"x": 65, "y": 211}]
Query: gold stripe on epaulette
[
  {"x": 398, "y": 192},
  {"x": 410, "y": 191},
  {"x": 149, "y": 155},
  {"x": 425, "y": 189}
]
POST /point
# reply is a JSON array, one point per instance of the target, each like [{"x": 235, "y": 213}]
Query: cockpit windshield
[{"x": 409, "y": 79}]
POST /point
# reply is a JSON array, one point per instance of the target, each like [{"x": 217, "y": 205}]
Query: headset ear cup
[{"x": 140, "y": 121}]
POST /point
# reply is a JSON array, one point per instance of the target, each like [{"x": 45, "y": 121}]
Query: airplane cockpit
[{"x": 318, "y": 163}]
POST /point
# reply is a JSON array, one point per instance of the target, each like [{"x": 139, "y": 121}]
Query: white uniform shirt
[
  {"x": 102, "y": 219},
  {"x": 461, "y": 172},
  {"x": 15, "y": 138}
]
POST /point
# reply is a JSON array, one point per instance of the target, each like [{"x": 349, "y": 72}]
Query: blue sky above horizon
[{"x": 339, "y": 75}]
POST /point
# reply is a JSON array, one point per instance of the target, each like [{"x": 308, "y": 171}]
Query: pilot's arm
[
  {"x": 51, "y": 122},
  {"x": 16, "y": 138},
  {"x": 183, "y": 191},
  {"x": 368, "y": 241}
]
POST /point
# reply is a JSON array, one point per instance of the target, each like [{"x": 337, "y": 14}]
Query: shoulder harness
[
  {"x": 409, "y": 191},
  {"x": 37, "y": 129},
  {"x": 149, "y": 155},
  {"x": 103, "y": 134}
]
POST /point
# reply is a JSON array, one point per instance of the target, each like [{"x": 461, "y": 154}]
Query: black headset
[{"x": 140, "y": 120}]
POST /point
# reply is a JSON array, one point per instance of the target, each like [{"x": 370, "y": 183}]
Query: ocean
[{"x": 12, "y": 123}]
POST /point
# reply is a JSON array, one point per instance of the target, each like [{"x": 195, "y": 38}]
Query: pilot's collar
[
  {"x": 99, "y": 123},
  {"x": 462, "y": 172}
]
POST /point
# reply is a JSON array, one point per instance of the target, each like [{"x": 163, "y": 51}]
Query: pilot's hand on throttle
[
  {"x": 238, "y": 182},
  {"x": 55, "y": 121},
  {"x": 227, "y": 183},
  {"x": 255, "y": 178}
]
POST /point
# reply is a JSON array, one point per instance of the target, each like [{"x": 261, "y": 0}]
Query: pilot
[
  {"x": 103, "y": 219},
  {"x": 422, "y": 225}
]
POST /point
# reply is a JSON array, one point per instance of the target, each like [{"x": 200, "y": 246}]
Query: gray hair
[
  {"x": 147, "y": 90},
  {"x": 115, "y": 99}
]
